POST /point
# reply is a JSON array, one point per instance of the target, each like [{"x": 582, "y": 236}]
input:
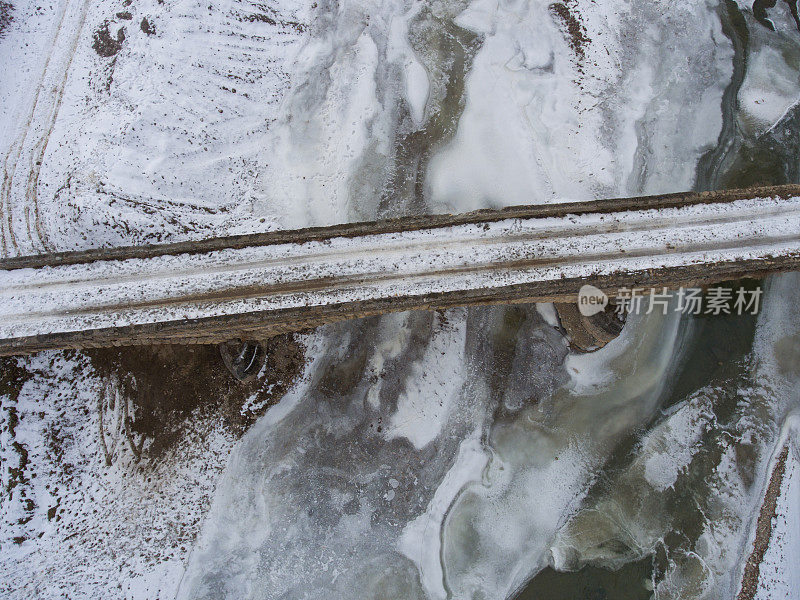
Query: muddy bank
[
  {"x": 166, "y": 383},
  {"x": 763, "y": 529}
]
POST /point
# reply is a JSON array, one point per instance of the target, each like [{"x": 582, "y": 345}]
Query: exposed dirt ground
[
  {"x": 5, "y": 15},
  {"x": 106, "y": 44},
  {"x": 167, "y": 383},
  {"x": 570, "y": 18}
]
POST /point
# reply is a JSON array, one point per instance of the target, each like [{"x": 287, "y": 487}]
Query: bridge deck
[{"x": 258, "y": 285}]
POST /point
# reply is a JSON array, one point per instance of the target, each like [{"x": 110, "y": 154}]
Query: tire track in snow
[{"x": 43, "y": 111}]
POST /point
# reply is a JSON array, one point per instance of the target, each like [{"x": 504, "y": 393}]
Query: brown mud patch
[
  {"x": 5, "y": 16},
  {"x": 763, "y": 529},
  {"x": 267, "y": 14},
  {"x": 166, "y": 384},
  {"x": 16, "y": 462},
  {"x": 566, "y": 12},
  {"x": 147, "y": 27},
  {"x": 104, "y": 43},
  {"x": 12, "y": 378}
]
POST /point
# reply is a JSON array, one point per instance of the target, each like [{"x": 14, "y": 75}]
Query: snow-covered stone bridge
[{"x": 253, "y": 286}]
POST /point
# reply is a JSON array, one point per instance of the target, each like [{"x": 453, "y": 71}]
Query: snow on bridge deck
[{"x": 258, "y": 285}]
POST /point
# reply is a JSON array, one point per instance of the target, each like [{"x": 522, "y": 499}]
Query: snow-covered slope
[{"x": 132, "y": 122}]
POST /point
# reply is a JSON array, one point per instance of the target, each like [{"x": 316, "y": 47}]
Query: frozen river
[{"x": 456, "y": 455}]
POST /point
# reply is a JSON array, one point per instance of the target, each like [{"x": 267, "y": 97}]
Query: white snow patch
[
  {"x": 417, "y": 89},
  {"x": 159, "y": 582},
  {"x": 769, "y": 88},
  {"x": 670, "y": 447},
  {"x": 423, "y": 408},
  {"x": 548, "y": 313}
]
